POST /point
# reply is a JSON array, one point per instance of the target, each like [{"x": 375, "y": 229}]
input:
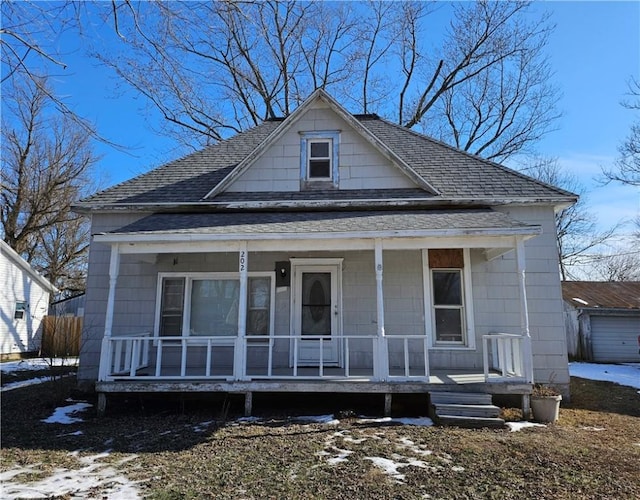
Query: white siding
[
  {"x": 614, "y": 339},
  {"x": 16, "y": 284},
  {"x": 361, "y": 165}
]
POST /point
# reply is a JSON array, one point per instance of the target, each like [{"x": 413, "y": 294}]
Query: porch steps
[{"x": 464, "y": 409}]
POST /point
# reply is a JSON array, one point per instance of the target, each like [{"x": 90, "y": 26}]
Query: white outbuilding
[{"x": 24, "y": 301}]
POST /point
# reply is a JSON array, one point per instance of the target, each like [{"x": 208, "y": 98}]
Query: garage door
[{"x": 615, "y": 339}]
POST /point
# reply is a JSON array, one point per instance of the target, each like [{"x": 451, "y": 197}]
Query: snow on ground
[
  {"x": 317, "y": 419},
  {"x": 32, "y": 365},
  {"x": 95, "y": 479},
  {"x": 518, "y": 426},
  {"x": 624, "y": 374},
  {"x": 35, "y": 364},
  {"x": 417, "y": 421},
  {"x": 62, "y": 415}
]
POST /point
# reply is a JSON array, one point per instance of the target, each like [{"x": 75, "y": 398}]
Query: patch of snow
[
  {"x": 341, "y": 457},
  {"x": 62, "y": 415},
  {"x": 625, "y": 374},
  {"x": 417, "y": 449},
  {"x": 317, "y": 419},
  {"x": 202, "y": 426},
  {"x": 388, "y": 467},
  {"x": 417, "y": 421},
  {"x": 248, "y": 420},
  {"x": 594, "y": 429},
  {"x": 457, "y": 468},
  {"x": 76, "y": 433},
  {"x": 391, "y": 467},
  {"x": 95, "y": 479},
  {"x": 518, "y": 426},
  {"x": 35, "y": 364},
  {"x": 24, "y": 383}
]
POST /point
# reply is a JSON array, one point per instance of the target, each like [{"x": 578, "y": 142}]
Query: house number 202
[{"x": 243, "y": 261}]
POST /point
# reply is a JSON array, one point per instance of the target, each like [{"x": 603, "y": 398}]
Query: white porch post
[
  {"x": 240, "y": 358},
  {"x": 382, "y": 361},
  {"x": 105, "y": 351},
  {"x": 524, "y": 311}
]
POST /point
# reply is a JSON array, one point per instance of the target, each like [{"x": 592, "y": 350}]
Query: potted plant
[{"x": 545, "y": 403}]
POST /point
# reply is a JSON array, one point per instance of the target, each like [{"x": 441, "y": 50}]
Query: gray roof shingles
[
  {"x": 225, "y": 224},
  {"x": 454, "y": 173}
]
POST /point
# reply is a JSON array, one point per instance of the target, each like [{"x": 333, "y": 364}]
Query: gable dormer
[{"x": 320, "y": 147}]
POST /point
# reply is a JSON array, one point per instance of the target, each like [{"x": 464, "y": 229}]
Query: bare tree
[
  {"x": 623, "y": 266},
  {"x": 627, "y": 167},
  {"x": 46, "y": 166},
  {"x": 213, "y": 68},
  {"x": 577, "y": 232}
]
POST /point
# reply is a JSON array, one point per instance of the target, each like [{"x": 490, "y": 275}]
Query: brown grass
[{"x": 184, "y": 451}]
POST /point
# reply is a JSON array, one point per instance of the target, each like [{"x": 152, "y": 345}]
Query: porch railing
[
  {"x": 125, "y": 355},
  {"x": 364, "y": 357},
  {"x": 504, "y": 353}
]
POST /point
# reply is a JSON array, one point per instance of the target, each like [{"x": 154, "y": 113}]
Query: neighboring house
[
  {"x": 24, "y": 301},
  {"x": 325, "y": 252},
  {"x": 603, "y": 320},
  {"x": 71, "y": 306}
]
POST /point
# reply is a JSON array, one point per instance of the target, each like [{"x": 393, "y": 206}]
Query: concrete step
[
  {"x": 466, "y": 398},
  {"x": 473, "y": 422},
  {"x": 486, "y": 411}
]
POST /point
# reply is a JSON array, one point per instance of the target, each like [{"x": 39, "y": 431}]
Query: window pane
[
  {"x": 319, "y": 169},
  {"x": 214, "y": 307},
  {"x": 259, "y": 306},
  {"x": 319, "y": 150},
  {"x": 449, "y": 325},
  {"x": 172, "y": 306},
  {"x": 447, "y": 288},
  {"x": 21, "y": 307},
  {"x": 316, "y": 304}
]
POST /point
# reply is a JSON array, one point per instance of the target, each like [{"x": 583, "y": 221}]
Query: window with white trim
[
  {"x": 20, "y": 310},
  {"x": 448, "y": 306},
  {"x": 319, "y": 159},
  {"x": 319, "y": 154},
  {"x": 448, "y": 298},
  {"x": 206, "y": 304}
]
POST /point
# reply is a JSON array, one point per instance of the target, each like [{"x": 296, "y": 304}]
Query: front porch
[{"x": 242, "y": 365}]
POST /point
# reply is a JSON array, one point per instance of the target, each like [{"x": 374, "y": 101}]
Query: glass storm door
[{"x": 317, "y": 315}]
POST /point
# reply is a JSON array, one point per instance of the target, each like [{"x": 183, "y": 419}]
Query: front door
[{"x": 317, "y": 314}]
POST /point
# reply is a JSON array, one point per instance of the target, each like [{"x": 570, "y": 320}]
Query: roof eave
[
  {"x": 184, "y": 236},
  {"x": 87, "y": 209}
]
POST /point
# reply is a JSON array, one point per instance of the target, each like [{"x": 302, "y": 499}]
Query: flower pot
[{"x": 545, "y": 408}]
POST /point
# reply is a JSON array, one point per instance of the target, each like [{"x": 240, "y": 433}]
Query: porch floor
[{"x": 439, "y": 380}]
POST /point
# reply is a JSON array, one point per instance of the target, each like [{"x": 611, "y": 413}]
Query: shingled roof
[{"x": 456, "y": 176}]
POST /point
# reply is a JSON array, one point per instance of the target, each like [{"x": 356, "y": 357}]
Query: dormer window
[{"x": 319, "y": 159}]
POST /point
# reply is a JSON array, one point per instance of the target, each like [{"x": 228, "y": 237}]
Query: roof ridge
[{"x": 477, "y": 157}]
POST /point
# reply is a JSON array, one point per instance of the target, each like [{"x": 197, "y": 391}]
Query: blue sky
[{"x": 594, "y": 51}]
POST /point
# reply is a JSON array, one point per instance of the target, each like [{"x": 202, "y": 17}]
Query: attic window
[{"x": 319, "y": 159}]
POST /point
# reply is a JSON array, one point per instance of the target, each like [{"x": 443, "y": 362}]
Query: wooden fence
[{"x": 61, "y": 336}]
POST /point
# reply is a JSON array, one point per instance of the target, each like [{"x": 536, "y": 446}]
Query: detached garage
[{"x": 603, "y": 320}]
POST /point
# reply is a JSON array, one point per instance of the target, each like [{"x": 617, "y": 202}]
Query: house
[
  {"x": 69, "y": 306},
  {"x": 603, "y": 320},
  {"x": 325, "y": 252},
  {"x": 24, "y": 301}
]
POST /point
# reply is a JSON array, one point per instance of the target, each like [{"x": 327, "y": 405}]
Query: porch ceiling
[{"x": 319, "y": 225}]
